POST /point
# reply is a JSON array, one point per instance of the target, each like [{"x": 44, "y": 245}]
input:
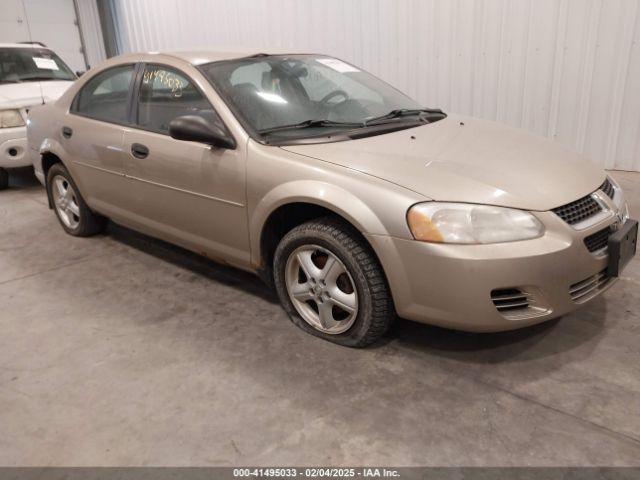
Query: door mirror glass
[{"x": 193, "y": 128}]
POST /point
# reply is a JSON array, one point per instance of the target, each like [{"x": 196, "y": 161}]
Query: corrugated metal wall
[
  {"x": 567, "y": 69},
  {"x": 91, "y": 31}
]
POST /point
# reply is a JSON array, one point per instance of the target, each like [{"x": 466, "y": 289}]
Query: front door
[{"x": 185, "y": 192}]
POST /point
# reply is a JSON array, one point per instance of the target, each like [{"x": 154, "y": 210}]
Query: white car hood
[
  {"x": 463, "y": 159},
  {"x": 27, "y": 94}
]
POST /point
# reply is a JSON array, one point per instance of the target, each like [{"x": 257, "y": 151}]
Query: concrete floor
[{"x": 121, "y": 350}]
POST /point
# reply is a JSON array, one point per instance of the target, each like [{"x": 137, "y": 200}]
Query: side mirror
[{"x": 193, "y": 128}]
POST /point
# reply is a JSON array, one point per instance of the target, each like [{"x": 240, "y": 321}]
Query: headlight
[
  {"x": 467, "y": 223},
  {"x": 11, "y": 118}
]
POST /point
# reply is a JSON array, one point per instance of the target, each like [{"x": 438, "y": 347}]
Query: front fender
[{"x": 329, "y": 196}]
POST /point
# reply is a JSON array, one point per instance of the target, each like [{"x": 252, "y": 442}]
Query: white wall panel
[
  {"x": 91, "y": 31},
  {"x": 566, "y": 69},
  {"x": 49, "y": 21}
]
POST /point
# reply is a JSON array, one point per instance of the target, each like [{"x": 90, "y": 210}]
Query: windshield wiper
[
  {"x": 402, "y": 112},
  {"x": 309, "y": 124},
  {"x": 368, "y": 123},
  {"x": 38, "y": 79}
]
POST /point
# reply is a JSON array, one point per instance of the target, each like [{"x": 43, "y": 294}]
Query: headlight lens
[
  {"x": 467, "y": 223},
  {"x": 11, "y": 118}
]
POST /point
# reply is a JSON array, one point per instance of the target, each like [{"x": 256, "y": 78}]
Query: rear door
[
  {"x": 92, "y": 134},
  {"x": 186, "y": 192}
]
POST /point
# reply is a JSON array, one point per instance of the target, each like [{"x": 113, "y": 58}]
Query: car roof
[
  {"x": 22, "y": 45},
  {"x": 201, "y": 57},
  {"x": 206, "y": 56}
]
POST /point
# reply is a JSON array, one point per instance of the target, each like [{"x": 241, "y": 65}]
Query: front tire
[
  {"x": 331, "y": 284},
  {"x": 73, "y": 213}
]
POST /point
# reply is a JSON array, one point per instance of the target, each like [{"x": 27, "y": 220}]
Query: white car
[{"x": 29, "y": 75}]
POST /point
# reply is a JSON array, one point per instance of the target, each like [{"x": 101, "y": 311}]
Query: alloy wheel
[
  {"x": 321, "y": 289},
  {"x": 65, "y": 201}
]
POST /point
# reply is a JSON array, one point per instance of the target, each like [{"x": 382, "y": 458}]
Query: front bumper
[
  {"x": 13, "y": 148},
  {"x": 452, "y": 285}
]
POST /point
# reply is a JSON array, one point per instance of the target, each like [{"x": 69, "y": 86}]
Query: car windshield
[
  {"x": 306, "y": 95},
  {"x": 19, "y": 65}
]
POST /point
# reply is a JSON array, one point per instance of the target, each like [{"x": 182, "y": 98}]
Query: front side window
[
  {"x": 19, "y": 65},
  {"x": 106, "y": 96},
  {"x": 166, "y": 94},
  {"x": 275, "y": 91}
]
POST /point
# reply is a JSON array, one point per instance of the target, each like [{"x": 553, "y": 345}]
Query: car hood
[
  {"x": 26, "y": 94},
  {"x": 464, "y": 159}
]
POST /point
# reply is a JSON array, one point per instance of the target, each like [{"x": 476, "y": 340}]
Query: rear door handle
[
  {"x": 139, "y": 151},
  {"x": 67, "y": 132}
]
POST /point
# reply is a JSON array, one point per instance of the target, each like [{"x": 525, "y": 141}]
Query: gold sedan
[{"x": 357, "y": 203}]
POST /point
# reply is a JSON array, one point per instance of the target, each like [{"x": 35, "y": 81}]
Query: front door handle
[
  {"x": 67, "y": 132},
  {"x": 139, "y": 151}
]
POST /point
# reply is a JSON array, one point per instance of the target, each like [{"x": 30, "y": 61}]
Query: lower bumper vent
[
  {"x": 509, "y": 299},
  {"x": 588, "y": 288},
  {"x": 519, "y": 303}
]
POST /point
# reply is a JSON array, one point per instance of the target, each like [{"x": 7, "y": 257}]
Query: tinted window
[
  {"x": 166, "y": 94},
  {"x": 105, "y": 96}
]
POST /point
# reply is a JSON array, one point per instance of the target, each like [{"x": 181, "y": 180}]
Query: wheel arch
[
  {"x": 294, "y": 203},
  {"x": 50, "y": 151},
  {"x": 50, "y": 154}
]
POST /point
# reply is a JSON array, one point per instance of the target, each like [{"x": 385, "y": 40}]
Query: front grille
[
  {"x": 589, "y": 287},
  {"x": 607, "y": 188},
  {"x": 506, "y": 299},
  {"x": 584, "y": 207},
  {"x": 578, "y": 210},
  {"x": 599, "y": 240}
]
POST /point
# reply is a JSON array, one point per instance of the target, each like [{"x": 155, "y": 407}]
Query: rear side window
[
  {"x": 106, "y": 96},
  {"x": 166, "y": 94}
]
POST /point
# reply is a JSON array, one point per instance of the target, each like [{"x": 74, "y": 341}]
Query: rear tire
[
  {"x": 4, "y": 179},
  {"x": 74, "y": 215},
  {"x": 341, "y": 296}
]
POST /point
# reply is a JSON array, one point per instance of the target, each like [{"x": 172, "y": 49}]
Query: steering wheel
[{"x": 335, "y": 93}]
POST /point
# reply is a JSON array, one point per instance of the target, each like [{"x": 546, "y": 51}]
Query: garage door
[{"x": 52, "y": 22}]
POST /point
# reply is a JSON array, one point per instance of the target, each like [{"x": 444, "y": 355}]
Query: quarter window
[
  {"x": 105, "y": 97},
  {"x": 166, "y": 94}
]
